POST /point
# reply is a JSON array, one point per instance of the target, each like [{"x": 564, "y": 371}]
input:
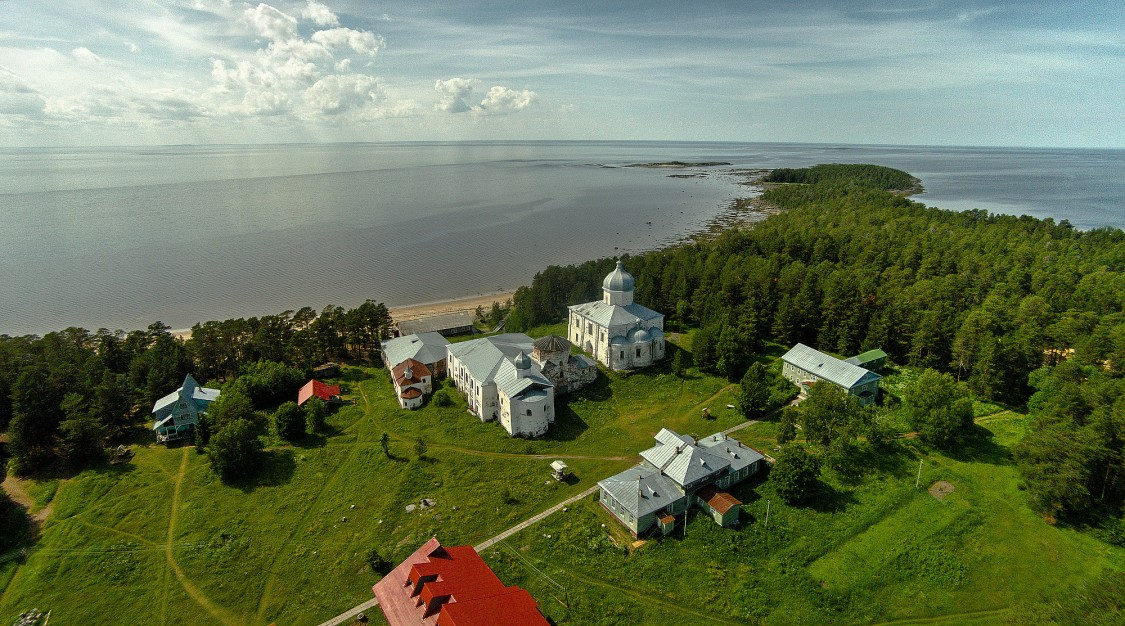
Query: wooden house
[{"x": 177, "y": 414}]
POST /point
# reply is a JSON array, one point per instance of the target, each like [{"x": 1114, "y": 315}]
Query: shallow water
[{"x": 121, "y": 237}]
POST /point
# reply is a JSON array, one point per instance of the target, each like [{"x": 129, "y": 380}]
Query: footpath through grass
[{"x": 160, "y": 540}]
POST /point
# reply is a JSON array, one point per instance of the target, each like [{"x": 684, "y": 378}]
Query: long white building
[
  {"x": 620, "y": 333},
  {"x": 501, "y": 382}
]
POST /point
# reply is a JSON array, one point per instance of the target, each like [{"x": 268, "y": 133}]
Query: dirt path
[
  {"x": 267, "y": 590},
  {"x": 216, "y": 611},
  {"x": 648, "y": 600},
  {"x": 699, "y": 406},
  {"x": 16, "y": 491}
]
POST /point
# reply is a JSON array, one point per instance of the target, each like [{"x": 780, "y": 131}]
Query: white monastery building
[
  {"x": 620, "y": 333},
  {"x": 501, "y": 382}
]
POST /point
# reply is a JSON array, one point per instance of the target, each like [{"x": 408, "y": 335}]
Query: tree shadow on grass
[
  {"x": 275, "y": 468},
  {"x": 597, "y": 391},
  {"x": 827, "y": 499},
  {"x": 315, "y": 440},
  {"x": 980, "y": 446}
]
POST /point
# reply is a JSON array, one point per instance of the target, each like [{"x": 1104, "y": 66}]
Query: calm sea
[{"x": 121, "y": 237}]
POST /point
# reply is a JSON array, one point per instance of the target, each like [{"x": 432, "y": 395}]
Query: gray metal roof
[
  {"x": 190, "y": 390},
  {"x": 483, "y": 357},
  {"x": 429, "y": 348},
  {"x": 609, "y": 315},
  {"x": 642, "y": 489},
  {"x": 508, "y": 379},
  {"x": 739, "y": 455},
  {"x": 436, "y": 323},
  {"x": 677, "y": 457},
  {"x": 828, "y": 367}
]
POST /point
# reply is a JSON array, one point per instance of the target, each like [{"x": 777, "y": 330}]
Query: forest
[
  {"x": 67, "y": 395},
  {"x": 1024, "y": 311}
]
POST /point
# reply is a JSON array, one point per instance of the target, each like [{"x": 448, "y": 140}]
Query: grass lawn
[
  {"x": 161, "y": 540},
  {"x": 871, "y": 552}
]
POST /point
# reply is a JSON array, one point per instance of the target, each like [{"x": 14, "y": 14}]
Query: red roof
[
  {"x": 452, "y": 587},
  {"x": 318, "y": 389},
  {"x": 417, "y": 369},
  {"x": 721, "y": 501},
  {"x": 411, "y": 392}
]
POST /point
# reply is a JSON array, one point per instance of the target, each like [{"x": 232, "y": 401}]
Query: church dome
[
  {"x": 639, "y": 336},
  {"x": 618, "y": 279},
  {"x": 522, "y": 361},
  {"x": 617, "y": 340}
]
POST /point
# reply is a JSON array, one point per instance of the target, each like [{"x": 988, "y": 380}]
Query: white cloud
[
  {"x": 336, "y": 94},
  {"x": 362, "y": 42},
  {"x": 271, "y": 23},
  {"x": 132, "y": 47},
  {"x": 320, "y": 14},
  {"x": 504, "y": 100},
  {"x": 455, "y": 94},
  {"x": 84, "y": 55}
]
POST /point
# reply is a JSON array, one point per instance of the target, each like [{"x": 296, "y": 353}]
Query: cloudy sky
[{"x": 113, "y": 72}]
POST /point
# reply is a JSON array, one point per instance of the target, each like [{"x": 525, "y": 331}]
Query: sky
[{"x": 972, "y": 73}]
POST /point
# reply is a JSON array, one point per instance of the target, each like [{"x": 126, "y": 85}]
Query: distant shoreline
[{"x": 422, "y": 309}]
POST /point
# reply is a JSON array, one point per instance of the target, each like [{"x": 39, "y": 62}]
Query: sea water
[{"x": 122, "y": 237}]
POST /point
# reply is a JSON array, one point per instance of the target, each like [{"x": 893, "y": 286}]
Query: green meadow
[{"x": 161, "y": 540}]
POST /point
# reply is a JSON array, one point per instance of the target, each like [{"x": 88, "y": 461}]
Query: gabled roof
[
  {"x": 437, "y": 323},
  {"x": 316, "y": 388},
  {"x": 867, "y": 357},
  {"x": 483, "y": 357},
  {"x": 828, "y": 367},
  {"x": 717, "y": 499},
  {"x": 739, "y": 454},
  {"x": 609, "y": 315},
  {"x": 428, "y": 348},
  {"x": 680, "y": 459},
  {"x": 508, "y": 379},
  {"x": 642, "y": 489},
  {"x": 459, "y": 584},
  {"x": 190, "y": 390}
]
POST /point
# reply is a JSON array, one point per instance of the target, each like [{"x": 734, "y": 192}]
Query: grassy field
[
  {"x": 872, "y": 552},
  {"x": 161, "y": 540}
]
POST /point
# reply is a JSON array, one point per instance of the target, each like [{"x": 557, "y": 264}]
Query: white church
[{"x": 620, "y": 333}]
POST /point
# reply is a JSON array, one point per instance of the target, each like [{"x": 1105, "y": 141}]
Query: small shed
[
  {"x": 327, "y": 370},
  {"x": 872, "y": 360},
  {"x": 315, "y": 388},
  {"x": 559, "y": 470}
]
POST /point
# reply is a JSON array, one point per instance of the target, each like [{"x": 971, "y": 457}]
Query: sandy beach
[{"x": 427, "y": 309}]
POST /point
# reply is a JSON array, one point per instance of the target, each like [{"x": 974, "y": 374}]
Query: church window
[
  {"x": 638, "y": 353},
  {"x": 622, "y": 354},
  {"x": 529, "y": 412}
]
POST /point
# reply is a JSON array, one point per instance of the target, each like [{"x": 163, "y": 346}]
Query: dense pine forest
[{"x": 1026, "y": 312}]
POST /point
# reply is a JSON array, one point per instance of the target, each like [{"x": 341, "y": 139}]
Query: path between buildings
[{"x": 480, "y": 547}]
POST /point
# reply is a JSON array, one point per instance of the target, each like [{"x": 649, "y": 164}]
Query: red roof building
[
  {"x": 438, "y": 586},
  {"x": 318, "y": 389}
]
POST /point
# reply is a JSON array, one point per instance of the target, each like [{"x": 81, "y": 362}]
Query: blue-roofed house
[
  {"x": 177, "y": 414},
  {"x": 676, "y": 473},
  {"x": 805, "y": 366},
  {"x": 620, "y": 333}
]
